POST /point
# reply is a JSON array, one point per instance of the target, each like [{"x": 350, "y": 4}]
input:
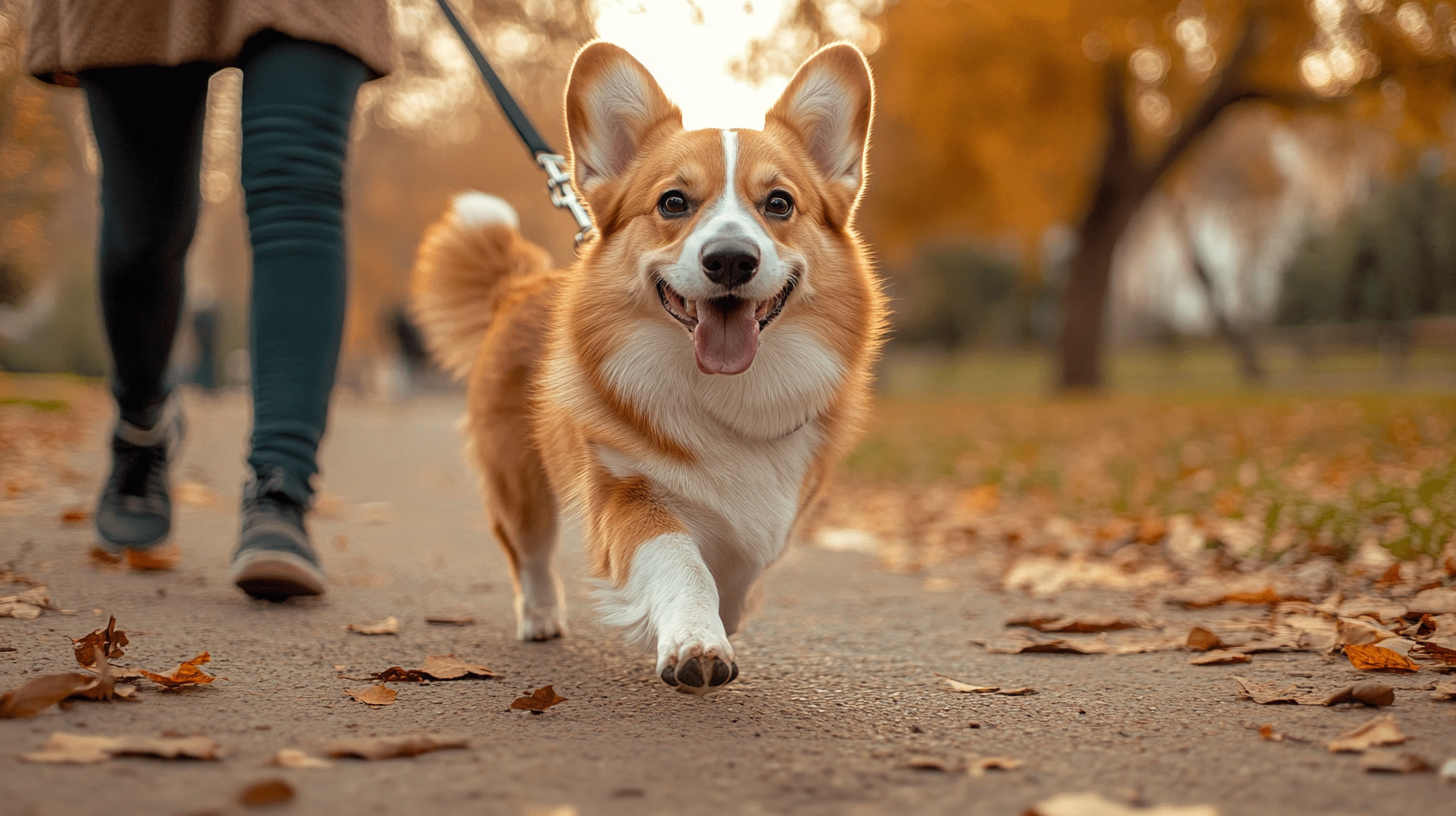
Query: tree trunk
[
  {"x": 1123, "y": 182},
  {"x": 1242, "y": 345}
]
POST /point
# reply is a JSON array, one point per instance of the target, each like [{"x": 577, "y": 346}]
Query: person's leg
[
  {"x": 298, "y": 100},
  {"x": 148, "y": 125}
]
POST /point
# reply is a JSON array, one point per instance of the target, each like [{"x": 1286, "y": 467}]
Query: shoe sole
[
  {"x": 274, "y": 576},
  {"x": 158, "y": 557}
]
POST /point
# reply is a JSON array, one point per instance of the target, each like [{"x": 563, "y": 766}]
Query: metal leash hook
[
  {"x": 558, "y": 181},
  {"x": 562, "y": 194}
]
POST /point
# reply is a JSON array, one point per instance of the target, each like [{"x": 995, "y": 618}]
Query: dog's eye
[
  {"x": 779, "y": 204},
  {"x": 672, "y": 204}
]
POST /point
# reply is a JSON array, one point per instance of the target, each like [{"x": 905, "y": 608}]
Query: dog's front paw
[
  {"x": 540, "y": 624},
  {"x": 697, "y": 665}
]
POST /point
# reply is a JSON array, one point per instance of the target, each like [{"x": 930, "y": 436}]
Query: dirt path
[{"x": 837, "y": 692}]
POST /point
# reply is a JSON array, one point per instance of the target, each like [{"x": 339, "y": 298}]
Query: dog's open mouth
[{"x": 725, "y": 330}]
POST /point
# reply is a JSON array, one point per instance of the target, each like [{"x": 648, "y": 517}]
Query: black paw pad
[
  {"x": 669, "y": 676},
  {"x": 690, "y": 672}
]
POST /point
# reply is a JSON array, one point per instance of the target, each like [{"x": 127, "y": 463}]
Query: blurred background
[{"x": 1064, "y": 195}]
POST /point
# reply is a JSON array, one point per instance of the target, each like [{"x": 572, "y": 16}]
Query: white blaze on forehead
[{"x": 729, "y": 215}]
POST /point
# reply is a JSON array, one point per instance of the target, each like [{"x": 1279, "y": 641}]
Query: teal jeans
[{"x": 298, "y": 100}]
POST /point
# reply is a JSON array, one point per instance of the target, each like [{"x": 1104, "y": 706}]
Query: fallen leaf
[
  {"x": 1386, "y": 760},
  {"x": 1436, "y": 601},
  {"x": 1445, "y": 691},
  {"x": 450, "y": 667},
  {"x": 979, "y": 767},
  {"x": 102, "y": 642},
  {"x": 925, "y": 762},
  {"x": 1220, "y": 657},
  {"x": 42, "y": 693},
  {"x": 1263, "y": 597},
  {"x": 450, "y": 620},
  {"x": 1267, "y": 732},
  {"x": 28, "y": 605},
  {"x": 1369, "y": 692},
  {"x": 1092, "y": 804},
  {"x": 407, "y": 745},
  {"x": 1201, "y": 639},
  {"x": 1379, "y": 659},
  {"x": 75, "y": 515},
  {"x": 1022, "y": 644},
  {"x": 388, "y": 626},
  {"x": 186, "y": 674},
  {"x": 1356, "y": 632},
  {"x": 1379, "y": 731},
  {"x": 1017, "y": 692},
  {"x": 1080, "y": 625},
  {"x": 1275, "y": 693},
  {"x": 957, "y": 686},
  {"x": 374, "y": 695},
  {"x": 1436, "y": 652},
  {"x": 267, "y": 793},
  {"x": 294, "y": 758},
  {"x": 540, "y": 700},
  {"x": 86, "y": 750},
  {"x": 1379, "y": 608}
]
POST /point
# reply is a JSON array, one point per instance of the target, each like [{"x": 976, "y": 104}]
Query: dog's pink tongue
[{"x": 726, "y": 337}]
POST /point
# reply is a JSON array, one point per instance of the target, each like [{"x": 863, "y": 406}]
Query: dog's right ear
[{"x": 613, "y": 108}]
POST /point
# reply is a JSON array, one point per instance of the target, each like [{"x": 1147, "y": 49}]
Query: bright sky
[{"x": 688, "y": 44}]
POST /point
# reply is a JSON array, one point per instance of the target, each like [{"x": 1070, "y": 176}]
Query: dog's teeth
[{"x": 692, "y": 307}]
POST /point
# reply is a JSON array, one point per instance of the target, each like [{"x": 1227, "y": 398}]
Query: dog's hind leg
[{"x": 518, "y": 495}]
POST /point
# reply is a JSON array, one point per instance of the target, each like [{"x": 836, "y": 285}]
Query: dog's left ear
[{"x": 829, "y": 104}]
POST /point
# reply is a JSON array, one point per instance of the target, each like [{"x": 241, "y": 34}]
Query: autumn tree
[{"x": 1008, "y": 118}]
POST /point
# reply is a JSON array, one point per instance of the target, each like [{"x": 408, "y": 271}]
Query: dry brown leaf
[
  {"x": 1201, "y": 639},
  {"x": 1368, "y": 692},
  {"x": 1276, "y": 693},
  {"x": 1444, "y": 691},
  {"x": 42, "y": 693},
  {"x": 407, "y": 745},
  {"x": 1436, "y": 601},
  {"x": 1092, "y": 804},
  {"x": 1379, "y": 659},
  {"x": 1017, "y": 692},
  {"x": 1267, "y": 732},
  {"x": 374, "y": 695},
  {"x": 1079, "y": 625},
  {"x": 75, "y": 515},
  {"x": 28, "y": 605},
  {"x": 294, "y": 758},
  {"x": 388, "y": 626},
  {"x": 1386, "y": 760},
  {"x": 186, "y": 674},
  {"x": 85, "y": 750},
  {"x": 957, "y": 686},
  {"x": 107, "y": 642},
  {"x": 267, "y": 793},
  {"x": 1379, "y": 731},
  {"x": 538, "y": 701},
  {"x": 1357, "y": 632},
  {"x": 450, "y": 667},
  {"x": 1220, "y": 657},
  {"x": 1434, "y": 651},
  {"x": 450, "y": 620},
  {"x": 1381, "y": 609},
  {"x": 1263, "y": 597},
  {"x": 979, "y": 767}
]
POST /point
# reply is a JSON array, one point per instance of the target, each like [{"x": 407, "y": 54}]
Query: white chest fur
[{"x": 752, "y": 436}]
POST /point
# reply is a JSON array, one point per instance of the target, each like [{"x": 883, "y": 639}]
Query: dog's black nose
[{"x": 730, "y": 262}]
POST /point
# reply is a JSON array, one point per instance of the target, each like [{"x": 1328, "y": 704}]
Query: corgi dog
[{"x": 688, "y": 383}]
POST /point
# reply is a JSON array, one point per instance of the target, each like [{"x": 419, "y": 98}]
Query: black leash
[{"x": 557, "y": 179}]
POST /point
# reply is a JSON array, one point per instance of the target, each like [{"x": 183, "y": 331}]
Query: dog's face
[{"x": 725, "y": 232}]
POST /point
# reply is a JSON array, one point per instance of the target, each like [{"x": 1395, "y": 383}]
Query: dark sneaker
[
  {"x": 134, "y": 513},
  {"x": 274, "y": 559}
]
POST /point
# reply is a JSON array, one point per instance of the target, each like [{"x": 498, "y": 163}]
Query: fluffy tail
[{"x": 462, "y": 269}]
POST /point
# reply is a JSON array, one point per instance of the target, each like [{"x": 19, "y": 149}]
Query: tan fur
[{"x": 537, "y": 345}]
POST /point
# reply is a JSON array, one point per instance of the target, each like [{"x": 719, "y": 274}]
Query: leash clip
[{"x": 559, "y": 182}]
